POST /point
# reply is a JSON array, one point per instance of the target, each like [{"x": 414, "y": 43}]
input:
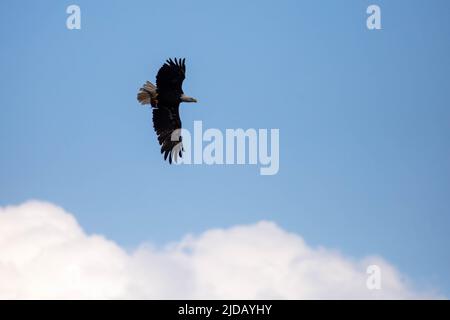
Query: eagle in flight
[{"x": 165, "y": 99}]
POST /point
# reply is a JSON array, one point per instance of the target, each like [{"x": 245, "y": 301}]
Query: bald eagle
[{"x": 165, "y": 99}]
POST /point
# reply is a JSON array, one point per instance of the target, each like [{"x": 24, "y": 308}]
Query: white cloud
[{"x": 44, "y": 253}]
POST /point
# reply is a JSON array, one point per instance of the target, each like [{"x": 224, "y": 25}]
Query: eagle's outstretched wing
[
  {"x": 171, "y": 75},
  {"x": 167, "y": 124}
]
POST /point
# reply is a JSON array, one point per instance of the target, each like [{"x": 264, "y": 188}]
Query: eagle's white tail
[{"x": 148, "y": 94}]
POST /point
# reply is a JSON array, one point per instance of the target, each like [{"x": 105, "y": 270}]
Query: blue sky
[{"x": 363, "y": 118}]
